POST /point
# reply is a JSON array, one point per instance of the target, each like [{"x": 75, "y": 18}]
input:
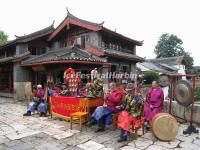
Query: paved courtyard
[{"x": 35, "y": 133}]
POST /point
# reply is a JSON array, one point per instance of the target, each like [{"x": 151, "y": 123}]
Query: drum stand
[{"x": 191, "y": 129}]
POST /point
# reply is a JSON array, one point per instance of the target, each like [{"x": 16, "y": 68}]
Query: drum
[{"x": 165, "y": 126}]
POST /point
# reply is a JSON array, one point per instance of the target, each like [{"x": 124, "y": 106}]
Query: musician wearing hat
[
  {"x": 38, "y": 102},
  {"x": 154, "y": 102},
  {"x": 132, "y": 110}
]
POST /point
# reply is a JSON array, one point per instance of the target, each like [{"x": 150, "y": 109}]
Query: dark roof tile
[
  {"x": 29, "y": 37},
  {"x": 168, "y": 60},
  {"x": 67, "y": 53}
]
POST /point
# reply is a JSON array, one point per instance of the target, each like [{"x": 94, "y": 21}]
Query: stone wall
[
  {"x": 22, "y": 90},
  {"x": 179, "y": 110},
  {"x": 21, "y": 84}
]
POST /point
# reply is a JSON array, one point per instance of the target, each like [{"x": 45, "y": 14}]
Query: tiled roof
[
  {"x": 120, "y": 54},
  {"x": 159, "y": 67},
  {"x": 7, "y": 59},
  {"x": 98, "y": 27},
  {"x": 36, "y": 34},
  {"x": 14, "y": 58},
  {"x": 168, "y": 60},
  {"x": 69, "y": 15},
  {"x": 67, "y": 53},
  {"x": 152, "y": 66},
  {"x": 138, "y": 43},
  {"x": 168, "y": 66},
  {"x": 29, "y": 37}
]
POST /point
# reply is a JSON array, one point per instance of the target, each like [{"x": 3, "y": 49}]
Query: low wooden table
[{"x": 63, "y": 106}]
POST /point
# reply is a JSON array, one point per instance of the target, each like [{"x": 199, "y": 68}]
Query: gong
[{"x": 183, "y": 93}]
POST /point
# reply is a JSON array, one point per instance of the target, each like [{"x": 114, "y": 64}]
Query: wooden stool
[
  {"x": 136, "y": 127},
  {"x": 80, "y": 115},
  {"x": 114, "y": 121},
  {"x": 139, "y": 123}
]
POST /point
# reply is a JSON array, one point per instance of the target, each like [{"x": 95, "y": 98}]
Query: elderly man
[
  {"x": 103, "y": 113},
  {"x": 38, "y": 101},
  {"x": 154, "y": 102}
]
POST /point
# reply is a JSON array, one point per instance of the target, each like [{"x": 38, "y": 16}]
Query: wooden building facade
[{"x": 75, "y": 43}]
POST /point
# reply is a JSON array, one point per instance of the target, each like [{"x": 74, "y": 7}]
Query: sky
[{"x": 138, "y": 19}]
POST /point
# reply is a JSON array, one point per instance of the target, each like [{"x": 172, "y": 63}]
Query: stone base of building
[
  {"x": 183, "y": 112},
  {"x": 22, "y": 90},
  {"x": 9, "y": 95}
]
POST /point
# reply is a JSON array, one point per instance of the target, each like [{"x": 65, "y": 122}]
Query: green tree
[
  {"x": 150, "y": 76},
  {"x": 189, "y": 62},
  {"x": 3, "y": 37},
  {"x": 169, "y": 45}
]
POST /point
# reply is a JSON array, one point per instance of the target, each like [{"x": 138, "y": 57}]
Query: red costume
[
  {"x": 114, "y": 99},
  {"x": 72, "y": 80}
]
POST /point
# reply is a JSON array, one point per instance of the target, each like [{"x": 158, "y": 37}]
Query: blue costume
[{"x": 37, "y": 103}]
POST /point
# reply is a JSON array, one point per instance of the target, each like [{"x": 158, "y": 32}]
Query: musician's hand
[
  {"x": 104, "y": 105},
  {"x": 118, "y": 107}
]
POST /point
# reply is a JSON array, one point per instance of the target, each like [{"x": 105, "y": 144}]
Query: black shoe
[
  {"x": 100, "y": 130},
  {"x": 41, "y": 114},
  {"x": 27, "y": 114},
  {"x": 148, "y": 128},
  {"x": 122, "y": 139},
  {"x": 45, "y": 115},
  {"x": 91, "y": 123}
]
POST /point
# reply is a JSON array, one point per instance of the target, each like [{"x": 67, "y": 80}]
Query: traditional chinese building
[{"x": 76, "y": 43}]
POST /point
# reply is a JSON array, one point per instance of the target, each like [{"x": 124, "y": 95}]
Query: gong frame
[{"x": 173, "y": 78}]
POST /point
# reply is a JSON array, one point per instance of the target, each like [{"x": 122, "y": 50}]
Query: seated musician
[
  {"x": 103, "y": 113},
  {"x": 132, "y": 110},
  {"x": 37, "y": 103},
  {"x": 54, "y": 89},
  {"x": 57, "y": 89},
  {"x": 65, "y": 91},
  {"x": 85, "y": 90},
  {"x": 154, "y": 102}
]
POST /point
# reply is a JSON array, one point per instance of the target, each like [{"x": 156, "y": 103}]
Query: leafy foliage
[
  {"x": 169, "y": 45},
  {"x": 149, "y": 76},
  {"x": 197, "y": 94},
  {"x": 3, "y": 37}
]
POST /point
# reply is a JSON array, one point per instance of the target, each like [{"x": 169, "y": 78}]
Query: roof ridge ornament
[
  {"x": 52, "y": 25},
  {"x": 68, "y": 13},
  {"x": 17, "y": 36},
  {"x": 102, "y": 23}
]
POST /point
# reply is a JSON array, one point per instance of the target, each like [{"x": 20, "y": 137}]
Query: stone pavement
[{"x": 35, "y": 133}]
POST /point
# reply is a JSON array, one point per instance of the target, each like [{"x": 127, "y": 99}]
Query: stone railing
[{"x": 183, "y": 112}]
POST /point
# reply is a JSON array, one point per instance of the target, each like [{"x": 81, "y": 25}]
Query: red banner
[{"x": 65, "y": 105}]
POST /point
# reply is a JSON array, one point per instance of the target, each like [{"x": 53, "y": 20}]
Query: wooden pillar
[
  {"x": 105, "y": 70},
  {"x": 10, "y": 82},
  {"x": 133, "y": 71}
]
